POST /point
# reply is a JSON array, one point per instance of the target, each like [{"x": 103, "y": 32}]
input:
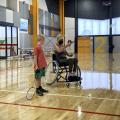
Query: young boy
[{"x": 39, "y": 64}]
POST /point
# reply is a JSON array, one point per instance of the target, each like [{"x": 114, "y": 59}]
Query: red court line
[{"x": 61, "y": 109}]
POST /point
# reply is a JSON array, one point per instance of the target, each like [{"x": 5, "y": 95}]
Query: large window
[
  {"x": 8, "y": 41},
  {"x": 104, "y": 27},
  {"x": 93, "y": 27},
  {"x": 2, "y": 42},
  {"x": 96, "y": 28},
  {"x": 14, "y": 40},
  {"x": 116, "y": 26},
  {"x": 48, "y": 23}
]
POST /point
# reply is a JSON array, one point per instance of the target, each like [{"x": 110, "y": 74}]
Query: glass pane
[
  {"x": 8, "y": 40},
  {"x": 96, "y": 25},
  {"x": 88, "y": 27},
  {"x": 104, "y": 27},
  {"x": 2, "y": 42},
  {"x": 113, "y": 26},
  {"x": 101, "y": 44},
  {"x": 118, "y": 26},
  {"x": 80, "y": 26},
  {"x": 56, "y": 21},
  {"x": 14, "y": 41},
  {"x": 47, "y": 18}
]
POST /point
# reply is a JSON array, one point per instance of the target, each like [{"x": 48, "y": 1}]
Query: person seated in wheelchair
[{"x": 61, "y": 56}]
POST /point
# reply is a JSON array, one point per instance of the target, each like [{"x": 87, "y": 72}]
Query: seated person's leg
[
  {"x": 75, "y": 64},
  {"x": 63, "y": 62},
  {"x": 66, "y": 62},
  {"x": 70, "y": 61}
]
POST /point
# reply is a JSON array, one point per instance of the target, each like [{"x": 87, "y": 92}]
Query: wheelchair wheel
[
  {"x": 79, "y": 75},
  {"x": 51, "y": 73},
  {"x": 79, "y": 72},
  {"x": 76, "y": 77}
]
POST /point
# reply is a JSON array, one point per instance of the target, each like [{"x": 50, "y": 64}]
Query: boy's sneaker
[
  {"x": 39, "y": 92},
  {"x": 43, "y": 90}
]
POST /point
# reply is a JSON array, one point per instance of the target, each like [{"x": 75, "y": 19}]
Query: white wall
[
  {"x": 9, "y": 16},
  {"x": 12, "y": 4},
  {"x": 25, "y": 40},
  {"x": 27, "y": 1},
  {"x": 3, "y": 3},
  {"x": 43, "y": 5},
  {"x": 2, "y": 14},
  {"x": 6, "y": 15},
  {"x": 70, "y": 30}
]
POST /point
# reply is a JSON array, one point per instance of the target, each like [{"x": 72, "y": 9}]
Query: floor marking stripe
[
  {"x": 12, "y": 91},
  {"x": 60, "y": 109},
  {"x": 63, "y": 95},
  {"x": 75, "y": 96}
]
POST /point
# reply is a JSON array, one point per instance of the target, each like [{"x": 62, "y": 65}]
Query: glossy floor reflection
[
  {"x": 100, "y": 62},
  {"x": 98, "y": 97}
]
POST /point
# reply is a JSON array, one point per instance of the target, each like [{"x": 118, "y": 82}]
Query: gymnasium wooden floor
[{"x": 97, "y": 99}]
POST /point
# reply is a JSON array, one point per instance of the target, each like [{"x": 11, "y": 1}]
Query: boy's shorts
[{"x": 39, "y": 73}]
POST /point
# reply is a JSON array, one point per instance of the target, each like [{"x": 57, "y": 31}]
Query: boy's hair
[{"x": 40, "y": 37}]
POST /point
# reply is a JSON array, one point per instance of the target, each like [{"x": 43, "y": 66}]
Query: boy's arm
[
  {"x": 35, "y": 62},
  {"x": 35, "y": 59}
]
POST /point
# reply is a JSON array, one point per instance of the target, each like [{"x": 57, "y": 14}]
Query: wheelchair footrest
[{"x": 73, "y": 79}]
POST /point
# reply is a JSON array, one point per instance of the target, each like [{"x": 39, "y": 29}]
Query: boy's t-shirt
[{"x": 41, "y": 61}]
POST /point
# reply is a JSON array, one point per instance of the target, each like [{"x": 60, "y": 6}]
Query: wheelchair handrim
[{"x": 48, "y": 77}]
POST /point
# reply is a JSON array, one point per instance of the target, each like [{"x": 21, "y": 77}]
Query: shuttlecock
[{"x": 90, "y": 96}]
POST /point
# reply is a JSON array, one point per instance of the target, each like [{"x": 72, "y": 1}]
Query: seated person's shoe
[
  {"x": 73, "y": 78},
  {"x": 39, "y": 92},
  {"x": 43, "y": 90}
]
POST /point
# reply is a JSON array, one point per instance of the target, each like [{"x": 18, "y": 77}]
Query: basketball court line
[
  {"x": 60, "y": 109},
  {"x": 63, "y": 95}
]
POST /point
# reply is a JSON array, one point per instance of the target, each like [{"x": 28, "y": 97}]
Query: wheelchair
[{"x": 55, "y": 72}]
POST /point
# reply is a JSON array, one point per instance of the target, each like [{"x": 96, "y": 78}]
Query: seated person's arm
[
  {"x": 61, "y": 49},
  {"x": 57, "y": 49}
]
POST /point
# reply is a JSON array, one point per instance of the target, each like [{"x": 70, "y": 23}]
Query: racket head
[{"x": 30, "y": 93}]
